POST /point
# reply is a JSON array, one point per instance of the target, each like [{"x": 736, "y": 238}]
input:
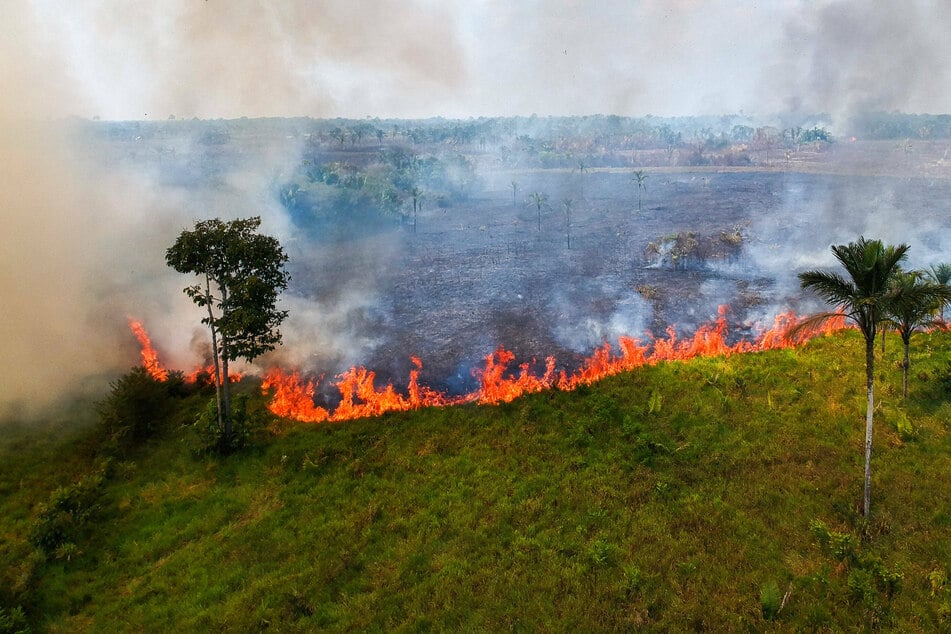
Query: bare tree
[
  {"x": 539, "y": 200},
  {"x": 567, "y": 204}
]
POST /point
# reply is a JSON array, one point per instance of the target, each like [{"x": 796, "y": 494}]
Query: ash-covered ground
[
  {"x": 482, "y": 274},
  {"x": 474, "y": 267}
]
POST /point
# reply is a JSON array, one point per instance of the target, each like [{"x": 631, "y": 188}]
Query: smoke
[
  {"x": 846, "y": 57},
  {"x": 245, "y": 57},
  {"x": 421, "y": 58}
]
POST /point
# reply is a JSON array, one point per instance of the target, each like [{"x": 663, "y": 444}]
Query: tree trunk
[
  {"x": 869, "y": 409},
  {"x": 904, "y": 367},
  {"x": 226, "y": 391},
  {"x": 214, "y": 349},
  {"x": 225, "y": 380}
]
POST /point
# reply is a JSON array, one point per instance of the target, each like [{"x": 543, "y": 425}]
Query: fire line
[{"x": 292, "y": 395}]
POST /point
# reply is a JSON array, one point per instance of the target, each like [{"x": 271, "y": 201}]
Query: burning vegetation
[{"x": 293, "y": 394}]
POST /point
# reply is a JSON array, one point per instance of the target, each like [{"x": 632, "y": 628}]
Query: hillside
[{"x": 720, "y": 493}]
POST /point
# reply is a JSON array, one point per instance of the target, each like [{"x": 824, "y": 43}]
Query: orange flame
[
  {"x": 158, "y": 371},
  {"x": 149, "y": 356},
  {"x": 496, "y": 387},
  {"x": 292, "y": 396}
]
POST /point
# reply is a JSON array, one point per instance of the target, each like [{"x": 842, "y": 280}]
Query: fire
[
  {"x": 158, "y": 371},
  {"x": 292, "y": 396},
  {"x": 496, "y": 387},
  {"x": 149, "y": 356}
]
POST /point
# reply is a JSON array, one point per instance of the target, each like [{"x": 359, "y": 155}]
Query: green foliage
[
  {"x": 249, "y": 421},
  {"x": 62, "y": 520},
  {"x": 13, "y": 621},
  {"x": 247, "y": 269},
  {"x": 869, "y": 582},
  {"x": 675, "y": 520},
  {"x": 770, "y": 600},
  {"x": 139, "y": 406}
]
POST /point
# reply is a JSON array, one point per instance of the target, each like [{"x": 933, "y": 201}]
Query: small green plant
[
  {"x": 138, "y": 406},
  {"x": 601, "y": 552},
  {"x": 13, "y": 621},
  {"x": 869, "y": 581},
  {"x": 842, "y": 546},
  {"x": 60, "y": 521},
  {"x": 770, "y": 600},
  {"x": 633, "y": 578}
]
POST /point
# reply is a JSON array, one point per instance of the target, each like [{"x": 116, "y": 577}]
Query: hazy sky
[{"x": 416, "y": 58}]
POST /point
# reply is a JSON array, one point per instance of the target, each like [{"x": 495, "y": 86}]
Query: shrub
[
  {"x": 770, "y": 600},
  {"x": 60, "y": 521},
  {"x": 13, "y": 621},
  {"x": 139, "y": 405}
]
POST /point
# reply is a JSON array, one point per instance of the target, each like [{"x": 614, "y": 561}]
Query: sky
[{"x": 469, "y": 58}]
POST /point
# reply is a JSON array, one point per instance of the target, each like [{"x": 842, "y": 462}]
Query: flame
[
  {"x": 158, "y": 371},
  {"x": 496, "y": 387},
  {"x": 149, "y": 356},
  {"x": 292, "y": 395}
]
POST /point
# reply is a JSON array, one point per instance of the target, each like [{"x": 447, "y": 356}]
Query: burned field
[
  {"x": 406, "y": 243},
  {"x": 480, "y": 274}
]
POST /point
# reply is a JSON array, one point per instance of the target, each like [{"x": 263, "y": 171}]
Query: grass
[{"x": 683, "y": 496}]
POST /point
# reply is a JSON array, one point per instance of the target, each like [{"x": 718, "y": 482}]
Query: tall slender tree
[
  {"x": 914, "y": 303},
  {"x": 863, "y": 298},
  {"x": 940, "y": 274},
  {"x": 639, "y": 178},
  {"x": 582, "y": 169},
  {"x": 241, "y": 273},
  {"x": 417, "y": 195},
  {"x": 567, "y": 204},
  {"x": 539, "y": 200}
]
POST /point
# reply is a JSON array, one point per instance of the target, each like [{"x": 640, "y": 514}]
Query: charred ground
[{"x": 422, "y": 238}]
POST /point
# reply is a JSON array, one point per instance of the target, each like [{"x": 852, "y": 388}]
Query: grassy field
[{"x": 718, "y": 494}]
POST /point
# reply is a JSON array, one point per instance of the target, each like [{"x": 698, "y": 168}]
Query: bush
[
  {"x": 13, "y": 621},
  {"x": 60, "y": 521},
  {"x": 139, "y": 405},
  {"x": 770, "y": 600}
]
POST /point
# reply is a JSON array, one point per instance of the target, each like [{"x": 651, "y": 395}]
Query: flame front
[{"x": 292, "y": 396}]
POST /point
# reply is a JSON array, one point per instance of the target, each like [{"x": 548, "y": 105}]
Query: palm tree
[
  {"x": 568, "y": 203},
  {"x": 914, "y": 303},
  {"x": 539, "y": 200},
  {"x": 940, "y": 274},
  {"x": 582, "y": 168},
  {"x": 863, "y": 299},
  {"x": 514, "y": 191},
  {"x": 639, "y": 178},
  {"x": 417, "y": 194}
]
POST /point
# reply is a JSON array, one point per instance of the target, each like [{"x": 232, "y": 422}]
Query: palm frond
[{"x": 811, "y": 325}]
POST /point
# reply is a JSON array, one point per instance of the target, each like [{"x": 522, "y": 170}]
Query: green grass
[{"x": 678, "y": 497}]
